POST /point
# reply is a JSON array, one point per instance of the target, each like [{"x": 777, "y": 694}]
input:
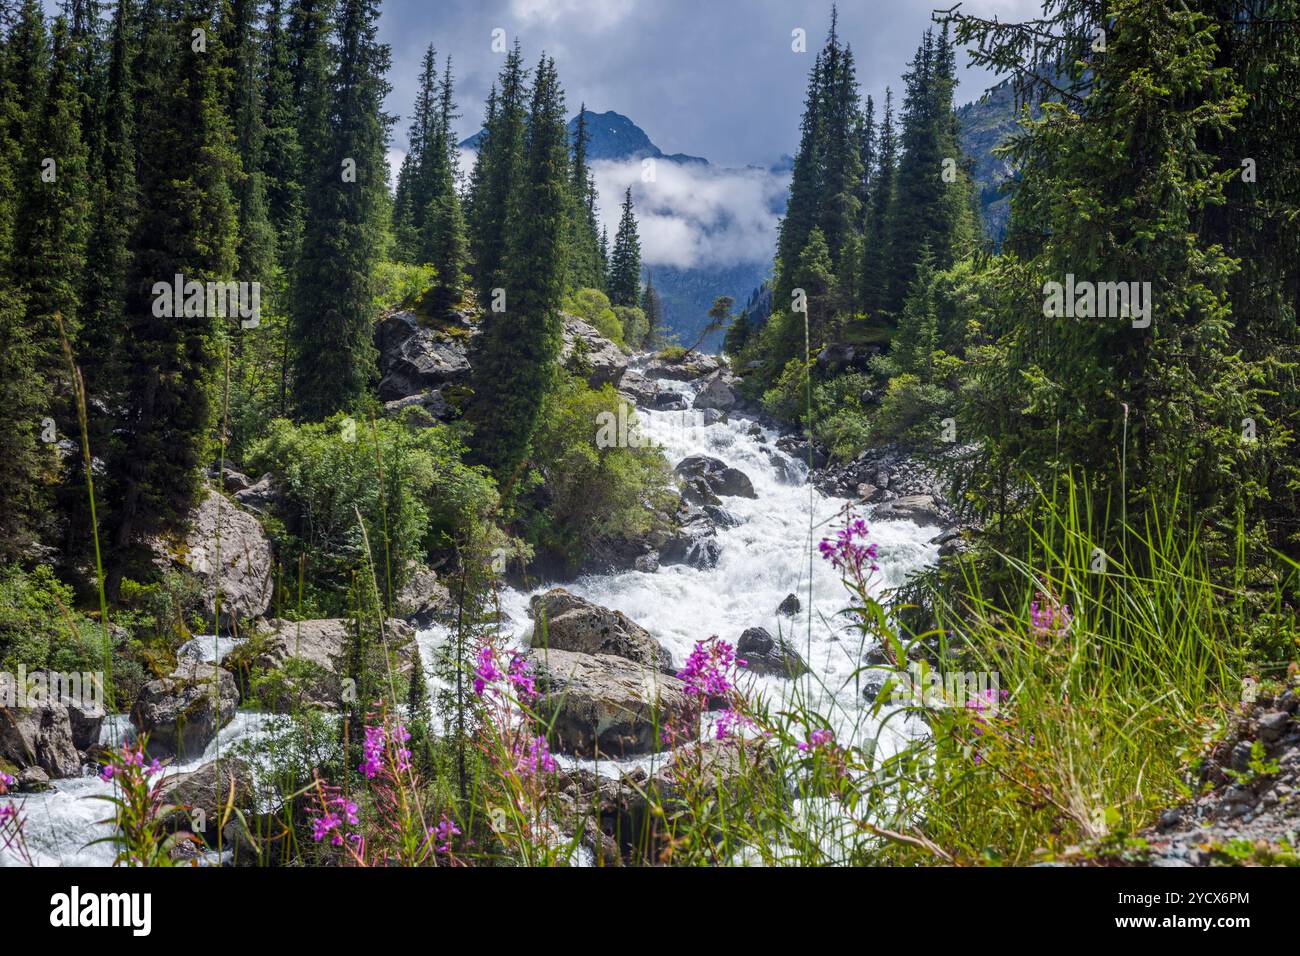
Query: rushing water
[{"x": 770, "y": 554}]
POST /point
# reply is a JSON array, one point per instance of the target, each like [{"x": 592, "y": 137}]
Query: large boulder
[
  {"x": 606, "y": 705},
  {"x": 304, "y": 662},
  {"x": 432, "y": 404},
  {"x": 183, "y": 712},
  {"x": 600, "y": 360},
  {"x": 414, "y": 359},
  {"x": 39, "y": 735},
  {"x": 694, "y": 543},
  {"x": 717, "y": 392},
  {"x": 207, "y": 796},
  {"x": 720, "y": 477},
  {"x": 423, "y": 598},
  {"x": 641, "y": 390},
  {"x": 687, "y": 369},
  {"x": 576, "y": 624},
  {"x": 765, "y": 654},
  {"x": 227, "y": 548},
  {"x": 922, "y": 509},
  {"x": 262, "y": 497}
]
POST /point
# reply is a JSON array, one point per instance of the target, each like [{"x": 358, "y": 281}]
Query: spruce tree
[
  {"x": 257, "y": 241},
  {"x": 497, "y": 175},
  {"x": 625, "y": 262},
  {"x": 516, "y": 355},
  {"x": 874, "y": 277},
  {"x": 343, "y": 234},
  {"x": 187, "y": 227},
  {"x": 586, "y": 267},
  {"x": 652, "y": 306},
  {"x": 282, "y": 158}
]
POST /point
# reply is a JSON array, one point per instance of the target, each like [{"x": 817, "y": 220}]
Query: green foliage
[
  {"x": 841, "y": 421},
  {"x": 514, "y": 363},
  {"x": 591, "y": 493},
  {"x": 625, "y": 261},
  {"x": 408, "y": 484},
  {"x": 592, "y": 306},
  {"x": 344, "y": 229}
]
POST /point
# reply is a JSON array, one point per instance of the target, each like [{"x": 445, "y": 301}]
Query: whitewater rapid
[{"x": 770, "y": 554}]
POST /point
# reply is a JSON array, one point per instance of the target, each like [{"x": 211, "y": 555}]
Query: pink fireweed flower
[
  {"x": 520, "y": 674},
  {"x": 6, "y": 781},
  {"x": 106, "y": 772},
  {"x": 443, "y": 833},
  {"x": 730, "y": 724},
  {"x": 818, "y": 738},
  {"x": 710, "y": 671},
  {"x": 373, "y": 751},
  {"x": 487, "y": 671},
  {"x": 1048, "y": 617},
  {"x": 533, "y": 758},
  {"x": 849, "y": 551}
]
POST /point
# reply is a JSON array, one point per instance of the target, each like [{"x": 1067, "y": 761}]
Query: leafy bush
[
  {"x": 330, "y": 471},
  {"x": 588, "y": 493},
  {"x": 911, "y": 410},
  {"x": 841, "y": 422},
  {"x": 38, "y": 627},
  {"x": 592, "y": 306},
  {"x": 633, "y": 322},
  {"x": 397, "y": 283}
]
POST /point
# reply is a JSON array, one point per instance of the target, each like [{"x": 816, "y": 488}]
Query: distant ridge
[{"x": 612, "y": 136}]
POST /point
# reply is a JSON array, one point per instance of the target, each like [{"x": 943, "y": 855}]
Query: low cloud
[{"x": 692, "y": 215}]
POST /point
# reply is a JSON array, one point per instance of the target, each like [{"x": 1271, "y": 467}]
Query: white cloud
[
  {"x": 692, "y": 215},
  {"x": 597, "y": 14}
]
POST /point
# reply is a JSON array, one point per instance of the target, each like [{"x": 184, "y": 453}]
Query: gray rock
[
  {"x": 576, "y": 624},
  {"x": 183, "y": 712},
  {"x": 33, "y": 780},
  {"x": 790, "y": 606},
  {"x": 601, "y": 360},
  {"x": 227, "y": 547},
  {"x": 716, "y": 393},
  {"x": 423, "y": 598},
  {"x": 414, "y": 359},
  {"x": 1273, "y": 725},
  {"x": 264, "y": 496},
  {"x": 723, "y": 518},
  {"x": 648, "y": 563},
  {"x": 696, "y": 365},
  {"x": 316, "y": 651},
  {"x": 85, "y": 718},
  {"x": 206, "y": 800},
  {"x": 601, "y": 704},
  {"x": 694, "y": 543},
  {"x": 641, "y": 390},
  {"x": 765, "y": 654},
  {"x": 37, "y": 736},
  {"x": 431, "y": 403},
  {"x": 669, "y": 402},
  {"x": 720, "y": 477},
  {"x": 919, "y": 508}
]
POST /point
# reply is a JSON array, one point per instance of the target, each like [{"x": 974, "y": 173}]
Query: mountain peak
[{"x": 612, "y": 136}]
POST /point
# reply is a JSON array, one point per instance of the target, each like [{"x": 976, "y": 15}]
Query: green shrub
[
  {"x": 840, "y": 421},
  {"x": 591, "y": 493},
  {"x": 592, "y": 306},
  {"x": 427, "y": 499}
]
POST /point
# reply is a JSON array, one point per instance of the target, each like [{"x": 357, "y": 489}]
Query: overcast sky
[{"x": 713, "y": 78}]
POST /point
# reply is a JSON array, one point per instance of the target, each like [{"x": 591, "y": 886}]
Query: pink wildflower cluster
[
  {"x": 128, "y": 759},
  {"x": 533, "y": 757},
  {"x": 443, "y": 833},
  {"x": 387, "y": 739},
  {"x": 518, "y": 674},
  {"x": 1048, "y": 617},
  {"x": 337, "y": 813},
  {"x": 849, "y": 552},
  {"x": 710, "y": 673},
  {"x": 710, "y": 670},
  {"x": 986, "y": 709},
  {"x": 818, "y": 739}
]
